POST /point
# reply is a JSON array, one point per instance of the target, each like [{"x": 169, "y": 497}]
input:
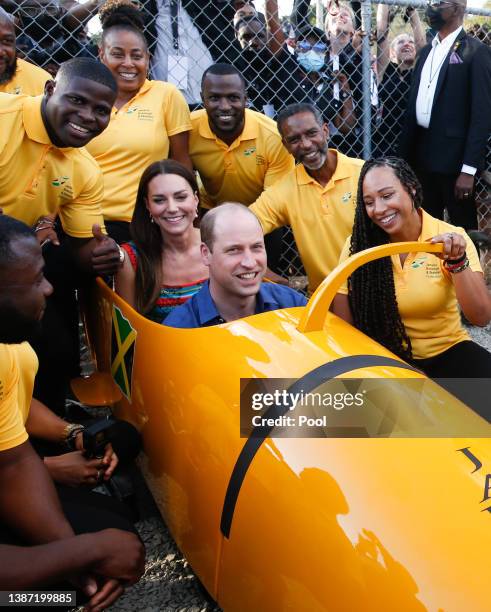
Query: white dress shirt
[
  {"x": 429, "y": 79},
  {"x": 429, "y": 76}
]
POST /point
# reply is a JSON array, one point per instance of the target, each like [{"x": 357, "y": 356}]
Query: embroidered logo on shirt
[
  {"x": 346, "y": 197},
  {"x": 250, "y": 151},
  {"x": 131, "y": 109},
  {"x": 433, "y": 270},
  {"x": 58, "y": 182},
  {"x": 418, "y": 262},
  {"x": 145, "y": 114},
  {"x": 260, "y": 161}
]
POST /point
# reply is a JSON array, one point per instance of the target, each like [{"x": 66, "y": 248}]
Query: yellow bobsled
[{"x": 365, "y": 519}]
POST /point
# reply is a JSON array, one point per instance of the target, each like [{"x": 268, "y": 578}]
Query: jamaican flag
[{"x": 122, "y": 351}]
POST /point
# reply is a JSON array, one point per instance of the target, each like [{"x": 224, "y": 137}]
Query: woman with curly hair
[
  {"x": 410, "y": 302},
  {"x": 163, "y": 266},
  {"x": 150, "y": 119}
]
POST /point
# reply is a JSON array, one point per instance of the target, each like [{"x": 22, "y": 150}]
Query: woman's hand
[{"x": 454, "y": 245}]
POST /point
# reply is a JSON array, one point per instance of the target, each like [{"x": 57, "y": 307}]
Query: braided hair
[{"x": 372, "y": 293}]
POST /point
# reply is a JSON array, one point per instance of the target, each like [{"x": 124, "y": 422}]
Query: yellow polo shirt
[
  {"x": 137, "y": 135},
  {"x": 18, "y": 367},
  {"x": 425, "y": 293},
  {"x": 37, "y": 178},
  {"x": 239, "y": 172},
  {"x": 321, "y": 218},
  {"x": 28, "y": 80}
]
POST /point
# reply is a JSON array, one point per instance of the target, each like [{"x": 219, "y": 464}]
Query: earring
[
  {"x": 152, "y": 220},
  {"x": 196, "y": 213}
]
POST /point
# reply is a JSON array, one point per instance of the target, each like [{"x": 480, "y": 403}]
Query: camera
[{"x": 96, "y": 437}]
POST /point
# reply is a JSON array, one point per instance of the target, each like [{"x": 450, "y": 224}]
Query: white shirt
[
  {"x": 429, "y": 78},
  {"x": 188, "y": 78}
]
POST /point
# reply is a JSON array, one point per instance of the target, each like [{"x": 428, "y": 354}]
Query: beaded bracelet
[
  {"x": 453, "y": 262},
  {"x": 459, "y": 267}
]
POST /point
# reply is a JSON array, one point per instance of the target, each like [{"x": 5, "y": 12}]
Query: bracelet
[
  {"x": 70, "y": 433},
  {"x": 40, "y": 227},
  {"x": 455, "y": 269},
  {"x": 44, "y": 223},
  {"x": 453, "y": 262}
]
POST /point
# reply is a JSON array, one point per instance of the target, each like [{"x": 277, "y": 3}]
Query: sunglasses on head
[{"x": 305, "y": 46}]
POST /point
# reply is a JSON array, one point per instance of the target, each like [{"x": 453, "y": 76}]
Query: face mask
[
  {"x": 311, "y": 61},
  {"x": 434, "y": 18}
]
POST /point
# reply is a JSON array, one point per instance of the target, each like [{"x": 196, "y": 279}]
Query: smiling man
[
  {"x": 44, "y": 171},
  {"x": 233, "y": 249},
  {"x": 318, "y": 198},
  {"x": 16, "y": 75},
  {"x": 237, "y": 151}
]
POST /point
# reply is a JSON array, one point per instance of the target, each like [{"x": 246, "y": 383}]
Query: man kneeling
[{"x": 233, "y": 249}]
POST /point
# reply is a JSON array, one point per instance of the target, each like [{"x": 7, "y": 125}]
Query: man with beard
[
  {"x": 236, "y": 151},
  {"x": 16, "y": 75},
  {"x": 317, "y": 199},
  {"x": 30, "y": 510},
  {"x": 448, "y": 119}
]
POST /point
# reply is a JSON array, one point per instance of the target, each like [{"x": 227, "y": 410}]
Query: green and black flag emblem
[{"x": 122, "y": 352}]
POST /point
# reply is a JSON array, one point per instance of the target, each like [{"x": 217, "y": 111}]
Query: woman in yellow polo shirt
[
  {"x": 163, "y": 266},
  {"x": 150, "y": 120},
  {"x": 410, "y": 303}
]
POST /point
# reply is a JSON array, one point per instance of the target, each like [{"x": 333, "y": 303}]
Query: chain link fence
[{"x": 352, "y": 60}]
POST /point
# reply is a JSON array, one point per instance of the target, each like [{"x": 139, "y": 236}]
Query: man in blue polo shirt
[{"x": 233, "y": 249}]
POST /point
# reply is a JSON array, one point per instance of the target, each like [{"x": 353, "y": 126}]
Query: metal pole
[
  {"x": 366, "y": 15},
  {"x": 319, "y": 14}
]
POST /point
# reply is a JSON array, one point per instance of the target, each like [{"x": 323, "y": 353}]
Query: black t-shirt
[
  {"x": 393, "y": 95},
  {"x": 272, "y": 79}
]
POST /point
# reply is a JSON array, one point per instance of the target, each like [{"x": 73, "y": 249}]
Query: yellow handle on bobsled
[{"x": 316, "y": 310}]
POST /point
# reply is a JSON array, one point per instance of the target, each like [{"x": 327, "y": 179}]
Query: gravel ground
[{"x": 169, "y": 584}]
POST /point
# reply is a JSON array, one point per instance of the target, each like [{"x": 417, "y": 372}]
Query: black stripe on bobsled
[{"x": 308, "y": 382}]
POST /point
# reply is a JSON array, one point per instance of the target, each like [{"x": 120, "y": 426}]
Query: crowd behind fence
[{"x": 358, "y": 87}]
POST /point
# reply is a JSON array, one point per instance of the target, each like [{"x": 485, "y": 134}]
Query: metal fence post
[{"x": 366, "y": 16}]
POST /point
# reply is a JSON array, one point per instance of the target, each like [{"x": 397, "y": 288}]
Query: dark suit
[{"x": 458, "y": 130}]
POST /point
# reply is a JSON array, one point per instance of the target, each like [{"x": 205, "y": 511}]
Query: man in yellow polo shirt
[
  {"x": 317, "y": 199},
  {"x": 16, "y": 75},
  {"x": 45, "y": 172},
  {"x": 237, "y": 152},
  {"x": 30, "y": 510}
]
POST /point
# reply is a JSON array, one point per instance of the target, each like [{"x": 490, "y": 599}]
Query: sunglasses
[
  {"x": 439, "y": 3},
  {"x": 36, "y": 11},
  {"x": 305, "y": 46}
]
